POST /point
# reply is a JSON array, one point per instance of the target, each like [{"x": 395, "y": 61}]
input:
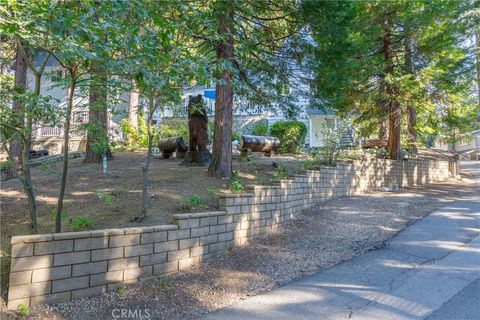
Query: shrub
[
  {"x": 291, "y": 134},
  {"x": 193, "y": 202},
  {"x": 81, "y": 223},
  {"x": 105, "y": 197},
  {"x": 260, "y": 129},
  {"x": 235, "y": 136},
  {"x": 178, "y": 130}
]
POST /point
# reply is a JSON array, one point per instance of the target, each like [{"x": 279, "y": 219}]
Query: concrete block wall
[{"x": 52, "y": 268}]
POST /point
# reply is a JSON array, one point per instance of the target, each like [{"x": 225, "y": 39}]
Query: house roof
[{"x": 319, "y": 112}]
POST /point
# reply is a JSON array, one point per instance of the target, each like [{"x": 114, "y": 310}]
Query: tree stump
[{"x": 267, "y": 145}]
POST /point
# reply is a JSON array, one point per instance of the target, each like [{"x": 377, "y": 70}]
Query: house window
[
  {"x": 80, "y": 117},
  {"x": 57, "y": 75}
]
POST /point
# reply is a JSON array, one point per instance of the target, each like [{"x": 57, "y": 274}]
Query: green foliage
[
  {"x": 260, "y": 128},
  {"x": 162, "y": 283},
  {"x": 235, "y": 183},
  {"x": 194, "y": 202},
  {"x": 235, "y": 136},
  {"x": 5, "y": 165},
  {"x": 23, "y": 309},
  {"x": 120, "y": 290},
  {"x": 129, "y": 133},
  {"x": 105, "y": 197},
  {"x": 81, "y": 223},
  {"x": 291, "y": 134},
  {"x": 281, "y": 172},
  {"x": 167, "y": 131}
]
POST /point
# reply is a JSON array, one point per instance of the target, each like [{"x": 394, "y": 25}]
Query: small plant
[
  {"x": 281, "y": 172},
  {"x": 230, "y": 250},
  {"x": 235, "y": 183},
  {"x": 5, "y": 165},
  {"x": 193, "y": 202},
  {"x": 105, "y": 197},
  {"x": 260, "y": 129},
  {"x": 23, "y": 309},
  {"x": 235, "y": 136},
  {"x": 81, "y": 223},
  {"x": 162, "y": 283},
  {"x": 120, "y": 290}
]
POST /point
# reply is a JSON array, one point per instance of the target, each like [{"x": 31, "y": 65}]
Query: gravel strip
[{"x": 335, "y": 231}]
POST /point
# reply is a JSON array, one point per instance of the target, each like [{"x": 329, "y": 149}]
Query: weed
[
  {"x": 235, "y": 183},
  {"x": 120, "y": 290},
  {"x": 81, "y": 223},
  {"x": 105, "y": 197},
  {"x": 23, "y": 309},
  {"x": 281, "y": 172},
  {"x": 193, "y": 202},
  {"x": 230, "y": 250},
  {"x": 162, "y": 283}
]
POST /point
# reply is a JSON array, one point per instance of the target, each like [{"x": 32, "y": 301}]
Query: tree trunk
[
  {"x": 18, "y": 105},
  {"x": 66, "y": 141},
  {"x": 478, "y": 67},
  {"x": 97, "y": 133},
  {"x": 221, "y": 165},
  {"x": 132, "y": 107},
  {"x": 393, "y": 107},
  {"x": 411, "y": 111},
  {"x": 383, "y": 128}
]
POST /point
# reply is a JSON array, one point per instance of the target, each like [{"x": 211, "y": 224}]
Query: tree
[
  {"x": 457, "y": 122},
  {"x": 243, "y": 46}
]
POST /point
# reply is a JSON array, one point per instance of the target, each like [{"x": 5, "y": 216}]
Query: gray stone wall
[{"x": 52, "y": 268}]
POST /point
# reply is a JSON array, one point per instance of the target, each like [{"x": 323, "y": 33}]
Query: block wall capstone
[{"x": 53, "y": 268}]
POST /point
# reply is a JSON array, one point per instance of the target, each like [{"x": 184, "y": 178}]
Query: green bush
[
  {"x": 260, "y": 129},
  {"x": 235, "y": 136},
  {"x": 291, "y": 134},
  {"x": 81, "y": 223},
  {"x": 166, "y": 131},
  {"x": 193, "y": 202}
]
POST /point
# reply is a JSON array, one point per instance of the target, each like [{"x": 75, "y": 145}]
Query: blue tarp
[{"x": 210, "y": 94}]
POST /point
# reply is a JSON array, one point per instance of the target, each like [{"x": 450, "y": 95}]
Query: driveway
[{"x": 430, "y": 270}]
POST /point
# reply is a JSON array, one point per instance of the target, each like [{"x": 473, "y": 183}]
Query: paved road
[{"x": 430, "y": 270}]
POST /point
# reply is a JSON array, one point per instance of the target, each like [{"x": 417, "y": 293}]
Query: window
[
  {"x": 57, "y": 75},
  {"x": 80, "y": 117}
]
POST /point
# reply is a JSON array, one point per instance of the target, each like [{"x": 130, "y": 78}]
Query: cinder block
[
  {"x": 89, "y": 268},
  {"x": 125, "y": 240},
  {"x": 179, "y": 254},
  {"x": 178, "y": 234},
  {"x": 208, "y": 239},
  {"x": 69, "y": 284},
  {"x": 199, "y": 251},
  {"x": 62, "y": 259},
  {"x": 29, "y": 290},
  {"x": 216, "y": 247},
  {"x": 202, "y": 231},
  {"x": 14, "y": 304},
  {"x": 208, "y": 221},
  {"x": 91, "y": 243},
  {"x": 121, "y": 264},
  {"x": 42, "y": 248},
  {"x": 139, "y": 250},
  {"x": 166, "y": 246},
  {"x": 159, "y": 236},
  {"x": 187, "y": 263},
  {"x": 51, "y": 298},
  {"x": 29, "y": 263},
  {"x": 107, "y": 254},
  {"x": 22, "y": 250},
  {"x": 225, "y": 236},
  {"x": 88, "y": 292},
  {"x": 153, "y": 259},
  {"x": 55, "y": 273},
  {"x": 136, "y": 273},
  {"x": 105, "y": 278},
  {"x": 19, "y": 278},
  {"x": 218, "y": 229},
  {"x": 165, "y": 267},
  {"x": 189, "y": 223},
  {"x": 188, "y": 243},
  {"x": 225, "y": 219}
]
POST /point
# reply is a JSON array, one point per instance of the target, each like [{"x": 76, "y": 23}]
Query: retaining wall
[{"x": 52, "y": 268}]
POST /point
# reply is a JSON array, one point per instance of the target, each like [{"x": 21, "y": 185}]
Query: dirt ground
[
  {"x": 169, "y": 183},
  {"x": 336, "y": 230}
]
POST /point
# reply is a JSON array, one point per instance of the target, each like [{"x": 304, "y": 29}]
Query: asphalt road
[{"x": 430, "y": 270}]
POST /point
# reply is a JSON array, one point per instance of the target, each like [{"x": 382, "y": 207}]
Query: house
[
  {"x": 468, "y": 148},
  {"x": 51, "y": 138}
]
